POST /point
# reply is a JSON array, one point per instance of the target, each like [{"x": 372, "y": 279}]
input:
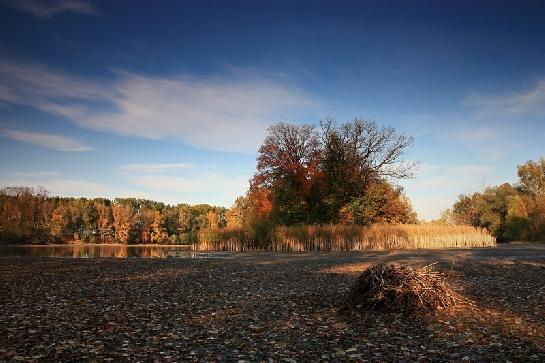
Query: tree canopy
[
  {"x": 510, "y": 212},
  {"x": 28, "y": 215},
  {"x": 324, "y": 175}
]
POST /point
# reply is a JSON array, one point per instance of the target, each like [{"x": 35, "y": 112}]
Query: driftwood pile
[{"x": 401, "y": 289}]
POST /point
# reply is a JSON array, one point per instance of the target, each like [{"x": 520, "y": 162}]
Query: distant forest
[{"x": 29, "y": 215}]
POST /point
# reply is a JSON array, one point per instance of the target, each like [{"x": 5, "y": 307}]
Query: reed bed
[
  {"x": 348, "y": 238},
  {"x": 227, "y": 239}
]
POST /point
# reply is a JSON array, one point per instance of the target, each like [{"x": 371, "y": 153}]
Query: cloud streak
[
  {"x": 154, "y": 168},
  {"x": 200, "y": 187},
  {"x": 46, "y": 9},
  {"x": 34, "y": 174},
  {"x": 61, "y": 187},
  {"x": 529, "y": 102},
  {"x": 50, "y": 141},
  {"x": 210, "y": 113},
  {"x": 182, "y": 182}
]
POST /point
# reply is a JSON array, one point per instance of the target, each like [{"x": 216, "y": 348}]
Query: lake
[{"x": 102, "y": 251}]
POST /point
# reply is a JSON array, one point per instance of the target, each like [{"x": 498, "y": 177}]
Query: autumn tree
[
  {"x": 532, "y": 176},
  {"x": 464, "y": 210},
  {"x": 310, "y": 175},
  {"x": 158, "y": 233},
  {"x": 104, "y": 222},
  {"x": 239, "y": 213},
  {"x": 170, "y": 221},
  {"x": 357, "y": 155},
  {"x": 510, "y": 212},
  {"x": 185, "y": 219},
  {"x": 122, "y": 222},
  {"x": 144, "y": 219},
  {"x": 381, "y": 203},
  {"x": 286, "y": 167},
  {"x": 60, "y": 223},
  {"x": 89, "y": 220},
  {"x": 23, "y": 217},
  {"x": 28, "y": 215},
  {"x": 214, "y": 221}
]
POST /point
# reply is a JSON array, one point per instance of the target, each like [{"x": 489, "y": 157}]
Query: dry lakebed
[{"x": 261, "y": 307}]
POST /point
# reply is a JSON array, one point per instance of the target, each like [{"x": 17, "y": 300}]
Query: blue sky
[{"x": 170, "y": 100}]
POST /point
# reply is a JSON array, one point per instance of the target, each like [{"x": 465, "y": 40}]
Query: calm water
[{"x": 91, "y": 250}]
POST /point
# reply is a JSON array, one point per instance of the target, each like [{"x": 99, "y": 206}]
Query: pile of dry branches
[{"x": 401, "y": 288}]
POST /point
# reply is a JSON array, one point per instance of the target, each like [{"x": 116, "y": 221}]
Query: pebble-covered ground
[{"x": 264, "y": 307}]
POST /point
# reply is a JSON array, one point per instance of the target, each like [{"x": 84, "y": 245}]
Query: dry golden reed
[
  {"x": 350, "y": 238},
  {"x": 226, "y": 239}
]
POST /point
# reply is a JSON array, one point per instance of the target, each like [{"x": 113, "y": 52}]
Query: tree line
[
  {"x": 30, "y": 215},
  {"x": 510, "y": 212}
]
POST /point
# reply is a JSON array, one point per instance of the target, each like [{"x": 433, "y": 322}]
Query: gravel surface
[{"x": 265, "y": 307}]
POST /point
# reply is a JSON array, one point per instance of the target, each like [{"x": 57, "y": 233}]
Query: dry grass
[
  {"x": 226, "y": 239},
  {"x": 349, "y": 238},
  {"x": 379, "y": 237}
]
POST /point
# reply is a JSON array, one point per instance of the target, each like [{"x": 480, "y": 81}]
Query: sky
[{"x": 170, "y": 100}]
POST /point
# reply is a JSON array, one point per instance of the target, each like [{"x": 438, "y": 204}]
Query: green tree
[
  {"x": 532, "y": 176},
  {"x": 381, "y": 203}
]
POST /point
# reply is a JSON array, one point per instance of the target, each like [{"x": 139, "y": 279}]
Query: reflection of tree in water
[
  {"x": 91, "y": 251},
  {"x": 120, "y": 252}
]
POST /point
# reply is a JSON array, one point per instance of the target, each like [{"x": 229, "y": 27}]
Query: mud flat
[{"x": 262, "y": 306}]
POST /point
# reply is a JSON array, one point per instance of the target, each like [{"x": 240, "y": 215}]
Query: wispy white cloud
[
  {"x": 445, "y": 177},
  {"x": 491, "y": 141},
  {"x": 38, "y": 86},
  {"x": 48, "y": 8},
  {"x": 199, "y": 187},
  {"x": 60, "y": 187},
  {"x": 528, "y": 102},
  {"x": 475, "y": 134},
  {"x": 182, "y": 182},
  {"x": 154, "y": 168},
  {"x": 51, "y": 141},
  {"x": 75, "y": 188},
  {"x": 219, "y": 113},
  {"x": 34, "y": 174}
]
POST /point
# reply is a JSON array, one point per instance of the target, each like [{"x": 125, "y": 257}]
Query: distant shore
[{"x": 92, "y": 244}]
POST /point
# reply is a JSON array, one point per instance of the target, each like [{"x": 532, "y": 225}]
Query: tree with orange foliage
[
  {"x": 104, "y": 222},
  {"x": 286, "y": 167},
  {"x": 122, "y": 222},
  {"x": 309, "y": 176}
]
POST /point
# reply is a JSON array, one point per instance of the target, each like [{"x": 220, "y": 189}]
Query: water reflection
[{"x": 92, "y": 250}]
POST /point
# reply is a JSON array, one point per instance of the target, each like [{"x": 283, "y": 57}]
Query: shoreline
[{"x": 90, "y": 244}]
